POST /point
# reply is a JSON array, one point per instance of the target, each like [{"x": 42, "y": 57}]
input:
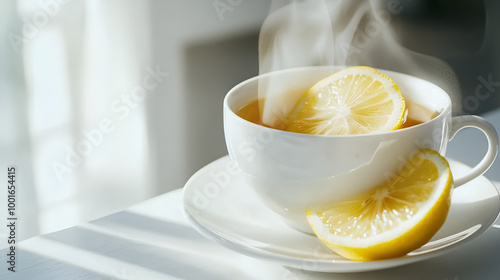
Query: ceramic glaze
[{"x": 292, "y": 172}]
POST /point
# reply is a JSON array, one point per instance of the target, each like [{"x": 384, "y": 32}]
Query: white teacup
[{"x": 292, "y": 172}]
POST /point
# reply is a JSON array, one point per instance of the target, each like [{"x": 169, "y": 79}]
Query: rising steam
[{"x": 336, "y": 33}]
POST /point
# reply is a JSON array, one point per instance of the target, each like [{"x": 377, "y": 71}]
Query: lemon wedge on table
[
  {"x": 394, "y": 218},
  {"x": 356, "y": 100}
]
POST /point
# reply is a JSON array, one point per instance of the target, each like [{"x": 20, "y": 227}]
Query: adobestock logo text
[{"x": 121, "y": 107}]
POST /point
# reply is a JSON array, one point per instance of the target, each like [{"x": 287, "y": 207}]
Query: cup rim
[{"x": 229, "y": 94}]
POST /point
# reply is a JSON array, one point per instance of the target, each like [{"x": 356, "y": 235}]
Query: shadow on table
[
  {"x": 143, "y": 223},
  {"x": 44, "y": 268},
  {"x": 176, "y": 250},
  {"x": 173, "y": 249}
]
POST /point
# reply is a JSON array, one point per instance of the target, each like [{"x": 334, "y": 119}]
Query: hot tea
[{"x": 416, "y": 114}]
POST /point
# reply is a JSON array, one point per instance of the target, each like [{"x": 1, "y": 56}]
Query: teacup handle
[{"x": 489, "y": 131}]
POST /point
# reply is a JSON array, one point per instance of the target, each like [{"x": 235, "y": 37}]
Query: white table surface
[{"x": 152, "y": 240}]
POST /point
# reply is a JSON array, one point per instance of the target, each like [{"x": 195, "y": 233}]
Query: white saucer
[{"x": 223, "y": 208}]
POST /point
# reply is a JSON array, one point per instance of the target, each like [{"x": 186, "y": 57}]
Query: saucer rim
[{"x": 337, "y": 266}]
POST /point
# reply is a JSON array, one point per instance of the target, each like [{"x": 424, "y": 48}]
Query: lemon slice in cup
[
  {"x": 393, "y": 219},
  {"x": 356, "y": 100}
]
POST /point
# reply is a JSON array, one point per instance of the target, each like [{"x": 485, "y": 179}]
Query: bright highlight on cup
[{"x": 293, "y": 172}]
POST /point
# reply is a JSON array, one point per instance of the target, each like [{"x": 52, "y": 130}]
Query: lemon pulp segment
[
  {"x": 393, "y": 219},
  {"x": 356, "y": 100}
]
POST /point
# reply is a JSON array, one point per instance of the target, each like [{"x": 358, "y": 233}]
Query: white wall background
[{"x": 95, "y": 105}]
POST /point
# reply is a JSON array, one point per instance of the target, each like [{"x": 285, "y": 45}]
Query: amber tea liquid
[{"x": 417, "y": 114}]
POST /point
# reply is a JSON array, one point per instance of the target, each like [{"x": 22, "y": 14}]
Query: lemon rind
[
  {"x": 390, "y": 86},
  {"x": 437, "y": 207}
]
